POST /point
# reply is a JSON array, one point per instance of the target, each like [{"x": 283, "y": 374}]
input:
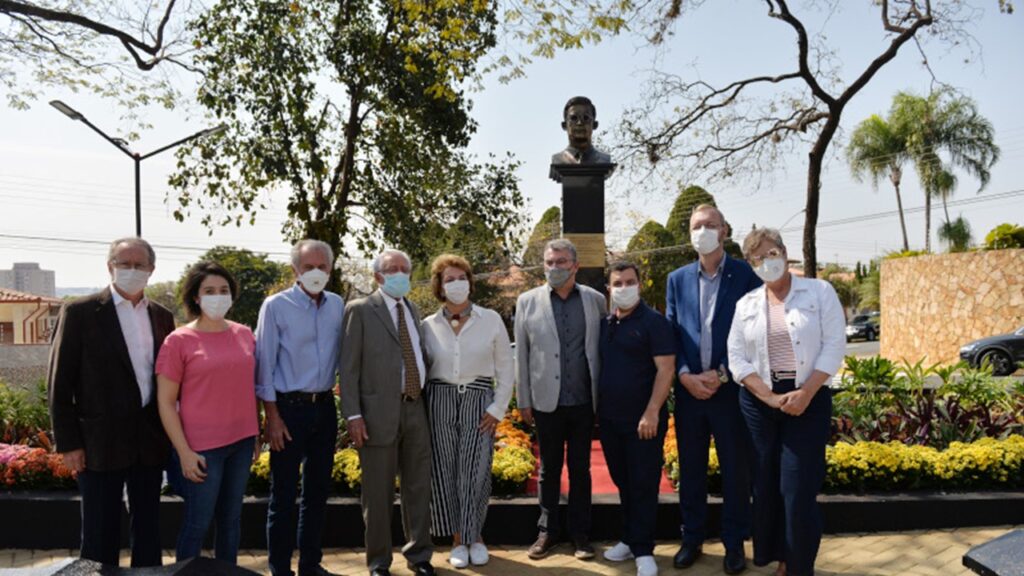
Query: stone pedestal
[{"x": 583, "y": 216}]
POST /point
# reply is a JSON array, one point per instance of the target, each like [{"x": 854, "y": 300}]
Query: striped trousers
[{"x": 460, "y": 481}]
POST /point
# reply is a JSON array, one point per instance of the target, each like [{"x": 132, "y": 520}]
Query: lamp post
[{"x": 122, "y": 145}]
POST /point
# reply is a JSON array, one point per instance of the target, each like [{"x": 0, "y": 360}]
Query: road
[{"x": 861, "y": 348}]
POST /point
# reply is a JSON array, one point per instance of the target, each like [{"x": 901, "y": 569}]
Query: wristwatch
[{"x": 723, "y": 375}]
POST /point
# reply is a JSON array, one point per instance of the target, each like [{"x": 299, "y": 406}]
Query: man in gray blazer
[
  {"x": 382, "y": 375},
  {"x": 557, "y": 328}
]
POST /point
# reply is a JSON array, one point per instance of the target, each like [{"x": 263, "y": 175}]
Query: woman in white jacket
[{"x": 787, "y": 341}]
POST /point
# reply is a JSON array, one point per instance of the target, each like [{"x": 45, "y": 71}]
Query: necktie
[{"x": 412, "y": 372}]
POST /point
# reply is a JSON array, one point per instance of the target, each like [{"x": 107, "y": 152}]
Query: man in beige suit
[
  {"x": 557, "y": 326},
  {"x": 382, "y": 376}
]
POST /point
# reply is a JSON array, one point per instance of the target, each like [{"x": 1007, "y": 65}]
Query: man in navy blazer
[{"x": 700, "y": 302}]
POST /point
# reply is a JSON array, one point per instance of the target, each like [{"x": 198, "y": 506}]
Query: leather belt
[
  {"x": 305, "y": 397},
  {"x": 783, "y": 375}
]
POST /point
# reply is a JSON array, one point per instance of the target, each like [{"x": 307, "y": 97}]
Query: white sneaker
[
  {"x": 459, "y": 557},
  {"x": 478, "y": 554},
  {"x": 646, "y": 566},
  {"x": 618, "y": 553}
]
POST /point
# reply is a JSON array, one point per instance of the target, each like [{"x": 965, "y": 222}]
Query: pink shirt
[
  {"x": 217, "y": 375},
  {"x": 780, "y": 345}
]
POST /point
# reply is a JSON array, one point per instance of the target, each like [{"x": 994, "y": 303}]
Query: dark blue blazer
[{"x": 682, "y": 308}]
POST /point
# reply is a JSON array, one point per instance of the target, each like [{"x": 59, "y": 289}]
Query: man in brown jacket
[{"x": 103, "y": 405}]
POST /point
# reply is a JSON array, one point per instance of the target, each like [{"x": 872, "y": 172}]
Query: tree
[
  {"x": 944, "y": 123},
  {"x": 678, "y": 223},
  {"x": 548, "y": 228},
  {"x": 654, "y": 249},
  {"x": 869, "y": 289},
  {"x": 108, "y": 48},
  {"x": 257, "y": 277},
  {"x": 876, "y": 148},
  {"x": 1005, "y": 235},
  {"x": 956, "y": 234},
  {"x": 719, "y": 132},
  {"x": 356, "y": 110},
  {"x": 166, "y": 294}
]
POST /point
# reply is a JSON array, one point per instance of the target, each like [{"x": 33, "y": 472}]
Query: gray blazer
[
  {"x": 371, "y": 367},
  {"x": 538, "y": 370}
]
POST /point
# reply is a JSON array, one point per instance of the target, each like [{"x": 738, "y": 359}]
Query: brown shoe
[
  {"x": 584, "y": 550},
  {"x": 542, "y": 547}
]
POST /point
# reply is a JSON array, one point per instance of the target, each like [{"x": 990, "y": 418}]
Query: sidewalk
[{"x": 932, "y": 553}]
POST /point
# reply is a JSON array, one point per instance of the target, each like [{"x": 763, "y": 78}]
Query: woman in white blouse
[
  {"x": 469, "y": 386},
  {"x": 786, "y": 343}
]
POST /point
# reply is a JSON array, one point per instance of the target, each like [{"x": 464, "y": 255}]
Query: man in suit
[
  {"x": 557, "y": 327},
  {"x": 383, "y": 370},
  {"x": 103, "y": 405},
  {"x": 700, "y": 301}
]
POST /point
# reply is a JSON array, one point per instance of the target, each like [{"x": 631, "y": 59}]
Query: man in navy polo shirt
[{"x": 638, "y": 356}]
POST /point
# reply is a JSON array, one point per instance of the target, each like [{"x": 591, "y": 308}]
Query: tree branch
[{"x": 803, "y": 51}]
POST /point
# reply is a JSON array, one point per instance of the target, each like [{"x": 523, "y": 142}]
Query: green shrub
[
  {"x": 24, "y": 416},
  {"x": 1005, "y": 236}
]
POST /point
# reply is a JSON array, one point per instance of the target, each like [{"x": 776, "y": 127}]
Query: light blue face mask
[{"x": 396, "y": 285}]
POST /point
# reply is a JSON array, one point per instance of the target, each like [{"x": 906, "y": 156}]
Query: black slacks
[
  {"x": 569, "y": 427},
  {"x": 101, "y": 514}
]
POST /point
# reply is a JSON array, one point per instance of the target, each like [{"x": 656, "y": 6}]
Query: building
[
  {"x": 28, "y": 277},
  {"x": 26, "y": 318}
]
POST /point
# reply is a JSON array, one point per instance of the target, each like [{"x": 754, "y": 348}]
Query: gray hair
[
  {"x": 131, "y": 241},
  {"x": 314, "y": 244},
  {"x": 759, "y": 235},
  {"x": 561, "y": 245},
  {"x": 378, "y": 262}
]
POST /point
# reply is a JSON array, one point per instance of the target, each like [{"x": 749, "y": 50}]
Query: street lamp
[{"x": 122, "y": 145}]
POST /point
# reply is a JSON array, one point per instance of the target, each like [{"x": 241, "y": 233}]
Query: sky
[{"x": 65, "y": 193}]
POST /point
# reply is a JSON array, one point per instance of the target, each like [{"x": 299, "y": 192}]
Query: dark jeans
[
  {"x": 635, "y": 467},
  {"x": 696, "y": 422},
  {"x": 102, "y": 494},
  {"x": 314, "y": 431},
  {"x": 219, "y": 495},
  {"x": 570, "y": 426},
  {"x": 790, "y": 453}
]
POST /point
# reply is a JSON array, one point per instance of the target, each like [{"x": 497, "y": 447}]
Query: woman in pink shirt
[{"x": 207, "y": 399}]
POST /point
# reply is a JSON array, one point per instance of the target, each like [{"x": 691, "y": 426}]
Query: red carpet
[{"x": 601, "y": 480}]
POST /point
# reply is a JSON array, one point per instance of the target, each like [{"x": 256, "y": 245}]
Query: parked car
[
  {"x": 863, "y": 326},
  {"x": 1001, "y": 352}
]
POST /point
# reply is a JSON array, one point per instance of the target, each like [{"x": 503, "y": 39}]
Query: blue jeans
[
  {"x": 314, "y": 431},
  {"x": 220, "y": 495}
]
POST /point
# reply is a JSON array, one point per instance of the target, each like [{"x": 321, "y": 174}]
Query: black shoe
[
  {"x": 542, "y": 547},
  {"x": 734, "y": 561},
  {"x": 422, "y": 569},
  {"x": 317, "y": 570},
  {"x": 584, "y": 550},
  {"x": 380, "y": 572},
  {"x": 686, "y": 556}
]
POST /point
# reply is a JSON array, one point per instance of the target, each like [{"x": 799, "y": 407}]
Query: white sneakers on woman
[
  {"x": 618, "y": 553},
  {"x": 646, "y": 566},
  {"x": 462, "y": 556}
]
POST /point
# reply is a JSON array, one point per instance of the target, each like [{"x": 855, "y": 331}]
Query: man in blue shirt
[
  {"x": 700, "y": 302},
  {"x": 298, "y": 344},
  {"x": 638, "y": 360}
]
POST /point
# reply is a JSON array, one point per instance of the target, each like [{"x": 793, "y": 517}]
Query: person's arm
[
  {"x": 742, "y": 367},
  {"x": 268, "y": 343},
  {"x": 648, "y": 426},
  {"x": 830, "y": 356},
  {"x": 193, "y": 466},
  {"x": 63, "y": 384},
  {"x": 351, "y": 367},
  {"x": 504, "y": 376},
  {"x": 522, "y": 363}
]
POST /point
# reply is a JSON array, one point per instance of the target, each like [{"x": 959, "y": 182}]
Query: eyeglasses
[
  {"x": 757, "y": 260},
  {"x": 143, "y": 266},
  {"x": 580, "y": 119}
]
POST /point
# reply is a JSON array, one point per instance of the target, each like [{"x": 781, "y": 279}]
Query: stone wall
[
  {"x": 23, "y": 364},
  {"x": 933, "y": 305}
]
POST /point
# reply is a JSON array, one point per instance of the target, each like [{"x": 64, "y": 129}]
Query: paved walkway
[{"x": 921, "y": 553}]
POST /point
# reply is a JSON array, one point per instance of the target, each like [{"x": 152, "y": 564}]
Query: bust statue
[{"x": 579, "y": 120}]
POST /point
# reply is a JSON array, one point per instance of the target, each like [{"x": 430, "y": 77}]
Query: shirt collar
[
  {"x": 300, "y": 296},
  {"x": 118, "y": 299},
  {"x": 718, "y": 270},
  {"x": 638, "y": 312},
  {"x": 575, "y": 288},
  {"x": 388, "y": 299}
]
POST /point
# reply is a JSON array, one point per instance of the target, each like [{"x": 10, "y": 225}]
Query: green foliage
[
  {"x": 878, "y": 148},
  {"x": 354, "y": 110},
  {"x": 549, "y": 227},
  {"x": 166, "y": 294},
  {"x": 257, "y": 277},
  {"x": 653, "y": 248},
  {"x": 868, "y": 289},
  {"x": 956, "y": 234},
  {"x": 24, "y": 417},
  {"x": 678, "y": 223},
  {"x": 1005, "y": 235},
  {"x": 895, "y": 255}
]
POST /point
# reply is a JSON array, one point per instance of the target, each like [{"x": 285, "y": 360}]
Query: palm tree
[
  {"x": 877, "y": 149},
  {"x": 950, "y": 125},
  {"x": 956, "y": 234}
]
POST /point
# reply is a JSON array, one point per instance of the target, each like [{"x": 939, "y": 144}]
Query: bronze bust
[{"x": 579, "y": 120}]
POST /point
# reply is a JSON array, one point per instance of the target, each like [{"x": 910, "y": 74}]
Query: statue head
[{"x": 579, "y": 120}]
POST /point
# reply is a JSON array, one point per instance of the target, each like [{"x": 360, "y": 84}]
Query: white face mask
[
  {"x": 314, "y": 281},
  {"x": 625, "y": 297},
  {"x": 215, "y": 306},
  {"x": 771, "y": 269},
  {"x": 131, "y": 281},
  {"x": 704, "y": 240},
  {"x": 457, "y": 291}
]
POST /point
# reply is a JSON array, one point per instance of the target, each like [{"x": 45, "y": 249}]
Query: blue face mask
[{"x": 396, "y": 285}]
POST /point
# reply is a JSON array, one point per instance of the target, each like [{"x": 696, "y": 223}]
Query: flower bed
[{"x": 24, "y": 467}]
